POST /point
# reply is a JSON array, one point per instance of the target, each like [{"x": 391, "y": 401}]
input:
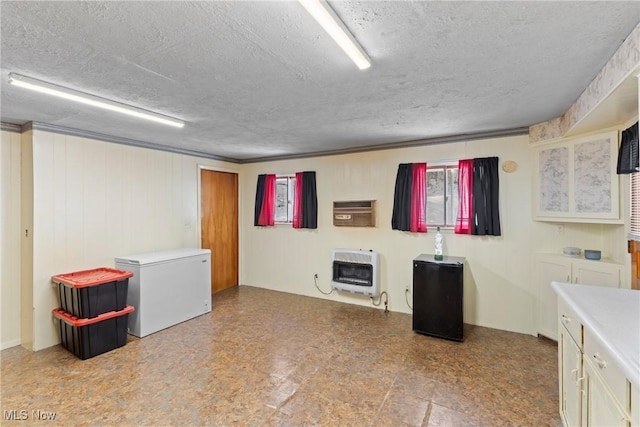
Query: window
[
  {"x": 285, "y": 185},
  {"x": 442, "y": 195},
  {"x": 635, "y": 205}
]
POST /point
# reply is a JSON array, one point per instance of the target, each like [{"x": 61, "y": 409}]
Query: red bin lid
[
  {"x": 86, "y": 278},
  {"x": 74, "y": 321}
]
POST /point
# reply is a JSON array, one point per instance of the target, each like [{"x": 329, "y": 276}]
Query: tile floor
[{"x": 265, "y": 358}]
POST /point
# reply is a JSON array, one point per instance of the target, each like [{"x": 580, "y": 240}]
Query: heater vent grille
[
  {"x": 356, "y": 257},
  {"x": 356, "y": 271}
]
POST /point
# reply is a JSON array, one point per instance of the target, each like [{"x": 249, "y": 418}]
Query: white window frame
[
  {"x": 445, "y": 166},
  {"x": 290, "y": 180},
  {"x": 634, "y": 206}
]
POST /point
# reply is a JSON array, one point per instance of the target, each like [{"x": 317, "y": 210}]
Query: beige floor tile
[
  {"x": 265, "y": 358},
  {"x": 441, "y": 416}
]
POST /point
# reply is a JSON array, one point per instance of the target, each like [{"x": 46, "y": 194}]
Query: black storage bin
[
  {"x": 87, "y": 338},
  {"x": 90, "y": 293}
]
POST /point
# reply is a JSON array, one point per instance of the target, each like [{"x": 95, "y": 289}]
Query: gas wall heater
[{"x": 356, "y": 271}]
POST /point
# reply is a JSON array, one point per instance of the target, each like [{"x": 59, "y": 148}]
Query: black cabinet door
[{"x": 437, "y": 299}]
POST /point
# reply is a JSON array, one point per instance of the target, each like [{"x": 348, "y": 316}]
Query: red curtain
[
  {"x": 267, "y": 210},
  {"x": 297, "y": 201},
  {"x": 418, "y": 222},
  {"x": 465, "y": 197}
]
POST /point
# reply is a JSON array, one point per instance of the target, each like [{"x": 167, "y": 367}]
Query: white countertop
[{"x": 613, "y": 315}]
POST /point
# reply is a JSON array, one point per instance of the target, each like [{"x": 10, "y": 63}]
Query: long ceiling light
[
  {"x": 92, "y": 100},
  {"x": 332, "y": 24}
]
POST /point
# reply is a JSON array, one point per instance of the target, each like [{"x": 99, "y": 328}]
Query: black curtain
[
  {"x": 485, "y": 219},
  {"x": 628, "y": 161},
  {"x": 259, "y": 197},
  {"x": 309, "y": 201},
  {"x": 401, "y": 217}
]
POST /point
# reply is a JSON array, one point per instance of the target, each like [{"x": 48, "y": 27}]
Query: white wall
[
  {"x": 94, "y": 201},
  {"x": 9, "y": 239},
  {"x": 26, "y": 240},
  {"x": 499, "y": 292}
]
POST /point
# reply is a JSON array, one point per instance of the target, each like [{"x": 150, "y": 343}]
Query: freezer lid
[
  {"x": 446, "y": 260},
  {"x": 149, "y": 258}
]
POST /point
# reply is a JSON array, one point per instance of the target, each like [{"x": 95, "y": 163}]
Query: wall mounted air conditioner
[{"x": 359, "y": 213}]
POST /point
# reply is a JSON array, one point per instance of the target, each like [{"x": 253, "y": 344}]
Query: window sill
[{"x": 633, "y": 236}]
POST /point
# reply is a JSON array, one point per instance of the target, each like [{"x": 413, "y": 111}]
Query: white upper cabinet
[{"x": 575, "y": 180}]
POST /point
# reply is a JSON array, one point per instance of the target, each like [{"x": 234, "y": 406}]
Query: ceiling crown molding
[
  {"x": 502, "y": 133},
  {"x": 10, "y": 127},
  {"x": 109, "y": 138}
]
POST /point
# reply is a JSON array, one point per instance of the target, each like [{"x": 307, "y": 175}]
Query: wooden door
[
  {"x": 634, "y": 250},
  {"x": 219, "y": 226}
]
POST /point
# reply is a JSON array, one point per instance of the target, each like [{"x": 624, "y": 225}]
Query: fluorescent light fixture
[
  {"x": 92, "y": 100},
  {"x": 332, "y": 24}
]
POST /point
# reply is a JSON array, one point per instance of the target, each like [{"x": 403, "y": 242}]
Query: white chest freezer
[{"x": 167, "y": 287}]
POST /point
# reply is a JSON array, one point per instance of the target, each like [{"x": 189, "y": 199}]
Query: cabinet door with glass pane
[{"x": 575, "y": 180}]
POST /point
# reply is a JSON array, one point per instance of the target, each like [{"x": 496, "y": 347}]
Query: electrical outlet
[
  {"x": 406, "y": 288},
  {"x": 315, "y": 276}
]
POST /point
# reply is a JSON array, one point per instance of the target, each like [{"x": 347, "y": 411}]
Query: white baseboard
[{"x": 8, "y": 344}]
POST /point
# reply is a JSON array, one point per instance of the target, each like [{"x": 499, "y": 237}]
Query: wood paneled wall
[
  {"x": 10, "y": 239},
  {"x": 94, "y": 201}
]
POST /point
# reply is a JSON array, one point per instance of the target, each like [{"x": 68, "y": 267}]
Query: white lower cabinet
[
  {"x": 635, "y": 406},
  {"x": 596, "y": 273},
  {"x": 560, "y": 268},
  {"x": 593, "y": 391},
  {"x": 607, "y": 397},
  {"x": 570, "y": 363},
  {"x": 600, "y": 407}
]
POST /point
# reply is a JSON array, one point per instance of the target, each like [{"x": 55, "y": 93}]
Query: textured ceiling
[{"x": 261, "y": 79}]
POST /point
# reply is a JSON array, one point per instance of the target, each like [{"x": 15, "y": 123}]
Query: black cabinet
[{"x": 438, "y": 296}]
